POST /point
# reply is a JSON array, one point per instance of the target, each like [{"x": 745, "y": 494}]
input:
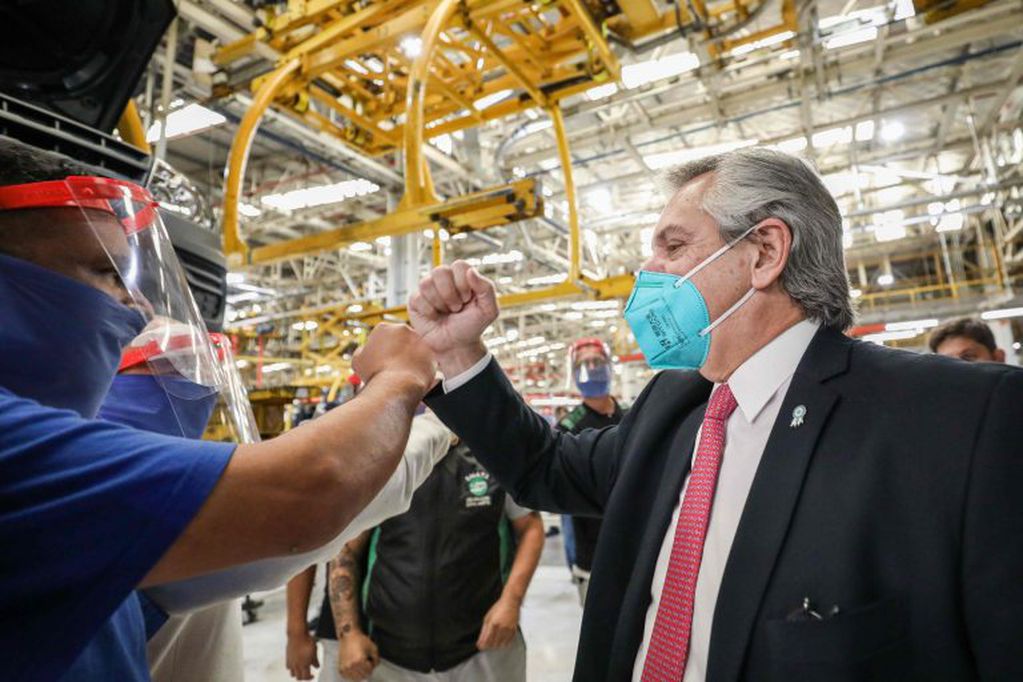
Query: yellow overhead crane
[{"x": 344, "y": 68}]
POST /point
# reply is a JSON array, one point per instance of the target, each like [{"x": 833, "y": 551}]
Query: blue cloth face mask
[
  {"x": 593, "y": 382},
  {"x": 172, "y": 406},
  {"x": 669, "y": 318},
  {"x": 61, "y": 339}
]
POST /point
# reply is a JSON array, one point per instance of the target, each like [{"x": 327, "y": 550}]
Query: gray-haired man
[{"x": 803, "y": 505}]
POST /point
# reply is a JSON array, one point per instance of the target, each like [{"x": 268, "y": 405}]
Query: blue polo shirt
[{"x": 87, "y": 508}]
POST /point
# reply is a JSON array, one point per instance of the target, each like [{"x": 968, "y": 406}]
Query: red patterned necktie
[{"x": 669, "y": 644}]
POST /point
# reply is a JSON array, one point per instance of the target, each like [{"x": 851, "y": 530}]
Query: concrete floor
[{"x": 550, "y": 623}]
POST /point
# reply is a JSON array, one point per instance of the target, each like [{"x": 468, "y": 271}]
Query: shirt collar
[{"x": 755, "y": 381}]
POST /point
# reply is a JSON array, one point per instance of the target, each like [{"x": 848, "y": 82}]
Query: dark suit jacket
[{"x": 899, "y": 500}]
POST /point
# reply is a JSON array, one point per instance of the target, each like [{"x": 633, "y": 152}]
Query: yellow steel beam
[
  {"x": 418, "y": 189},
  {"x": 517, "y": 201},
  {"x": 234, "y": 245},
  {"x": 595, "y": 36},
  {"x": 575, "y": 250},
  {"x": 524, "y": 81},
  {"x": 131, "y": 129}
]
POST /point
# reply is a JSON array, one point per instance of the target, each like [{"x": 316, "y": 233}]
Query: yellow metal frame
[{"x": 131, "y": 129}]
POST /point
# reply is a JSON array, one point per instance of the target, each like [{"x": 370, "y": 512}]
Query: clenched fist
[
  {"x": 451, "y": 309},
  {"x": 396, "y": 349}
]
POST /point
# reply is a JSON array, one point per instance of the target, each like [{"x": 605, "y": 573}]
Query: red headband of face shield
[
  {"x": 132, "y": 206},
  {"x": 591, "y": 342}
]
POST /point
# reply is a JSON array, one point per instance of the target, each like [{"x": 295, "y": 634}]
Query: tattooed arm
[{"x": 358, "y": 653}]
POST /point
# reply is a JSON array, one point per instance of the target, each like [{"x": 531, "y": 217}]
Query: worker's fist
[
  {"x": 396, "y": 349},
  {"x": 357, "y": 656},
  {"x": 500, "y": 625},
  {"x": 451, "y": 309},
  {"x": 300, "y": 657}
]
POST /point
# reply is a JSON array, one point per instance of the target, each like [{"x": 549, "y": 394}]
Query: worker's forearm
[
  {"x": 340, "y": 461},
  {"x": 527, "y": 557},
  {"x": 299, "y": 589},
  {"x": 343, "y": 589}
]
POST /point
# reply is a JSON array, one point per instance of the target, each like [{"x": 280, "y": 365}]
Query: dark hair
[
  {"x": 21, "y": 163},
  {"x": 966, "y": 327}
]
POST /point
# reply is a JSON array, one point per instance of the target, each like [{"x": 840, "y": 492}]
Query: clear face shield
[
  {"x": 174, "y": 347},
  {"x": 590, "y": 367}
]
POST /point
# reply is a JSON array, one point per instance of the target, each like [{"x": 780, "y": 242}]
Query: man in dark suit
[{"x": 804, "y": 506}]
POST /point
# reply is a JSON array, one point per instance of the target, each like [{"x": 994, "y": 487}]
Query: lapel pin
[{"x": 797, "y": 416}]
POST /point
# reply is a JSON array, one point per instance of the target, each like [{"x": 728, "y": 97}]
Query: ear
[
  {"x": 773, "y": 241},
  {"x": 999, "y": 355}
]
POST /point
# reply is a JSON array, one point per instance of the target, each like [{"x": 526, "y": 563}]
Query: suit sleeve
[
  {"x": 542, "y": 468},
  {"x": 993, "y": 536}
]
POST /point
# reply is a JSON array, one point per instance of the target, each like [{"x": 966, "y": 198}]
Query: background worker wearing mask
[
  {"x": 590, "y": 363},
  {"x": 205, "y": 644},
  {"x": 136, "y": 508},
  {"x": 438, "y": 596}
]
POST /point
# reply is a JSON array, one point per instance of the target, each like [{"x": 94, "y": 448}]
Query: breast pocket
[{"x": 863, "y": 643}]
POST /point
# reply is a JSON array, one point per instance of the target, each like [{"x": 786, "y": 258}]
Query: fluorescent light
[
  {"x": 248, "y": 210},
  {"x": 865, "y": 131},
  {"x": 675, "y": 158},
  {"x": 789, "y": 54},
  {"x": 319, "y": 196},
  {"x": 765, "y": 42},
  {"x": 913, "y": 324},
  {"x": 847, "y": 38},
  {"x": 276, "y": 367},
  {"x": 847, "y": 240},
  {"x": 792, "y": 145},
  {"x": 890, "y": 226},
  {"x": 355, "y": 308},
  {"x": 892, "y": 336},
  {"x": 892, "y": 131},
  {"x": 599, "y": 199},
  {"x": 595, "y": 305},
  {"x": 512, "y": 334},
  {"x": 556, "y": 401},
  {"x": 1001, "y": 314},
  {"x": 601, "y": 91},
  {"x": 307, "y": 325},
  {"x": 513, "y": 256},
  {"x": 886, "y": 280},
  {"x": 635, "y": 75},
  {"x": 548, "y": 279},
  {"x": 360, "y": 246},
  {"x": 412, "y": 46},
  {"x": 191, "y": 118},
  {"x": 235, "y": 277},
  {"x": 950, "y": 222},
  {"x": 826, "y": 138},
  {"x": 572, "y": 315},
  {"x": 598, "y": 323},
  {"x": 855, "y": 293},
  {"x": 491, "y": 99}
]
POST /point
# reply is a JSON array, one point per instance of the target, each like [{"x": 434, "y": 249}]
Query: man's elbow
[{"x": 322, "y": 501}]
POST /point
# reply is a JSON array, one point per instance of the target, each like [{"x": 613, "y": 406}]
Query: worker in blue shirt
[{"x": 91, "y": 510}]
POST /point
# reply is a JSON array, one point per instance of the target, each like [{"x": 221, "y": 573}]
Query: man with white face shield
[{"x": 81, "y": 274}]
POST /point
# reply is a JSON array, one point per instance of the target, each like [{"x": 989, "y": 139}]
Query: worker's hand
[
  {"x": 357, "y": 656},
  {"x": 499, "y": 625},
  {"x": 301, "y": 656},
  {"x": 395, "y": 348},
  {"x": 451, "y": 309}
]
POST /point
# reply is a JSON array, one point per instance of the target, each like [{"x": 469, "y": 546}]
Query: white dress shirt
[{"x": 759, "y": 386}]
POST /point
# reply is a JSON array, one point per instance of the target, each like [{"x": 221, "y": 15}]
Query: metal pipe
[
  {"x": 131, "y": 129},
  {"x": 418, "y": 185},
  {"x": 234, "y": 247},
  {"x": 574, "y": 250},
  {"x": 167, "y": 87}
]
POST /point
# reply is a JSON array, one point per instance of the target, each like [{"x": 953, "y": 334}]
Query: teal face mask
[{"x": 669, "y": 318}]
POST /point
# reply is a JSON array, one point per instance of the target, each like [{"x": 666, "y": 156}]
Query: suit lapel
[
  {"x": 632, "y": 617},
  {"x": 771, "y": 502}
]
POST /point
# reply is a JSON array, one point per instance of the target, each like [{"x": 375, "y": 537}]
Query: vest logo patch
[{"x": 477, "y": 483}]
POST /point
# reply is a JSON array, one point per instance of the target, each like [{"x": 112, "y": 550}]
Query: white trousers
[{"x": 495, "y": 665}]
